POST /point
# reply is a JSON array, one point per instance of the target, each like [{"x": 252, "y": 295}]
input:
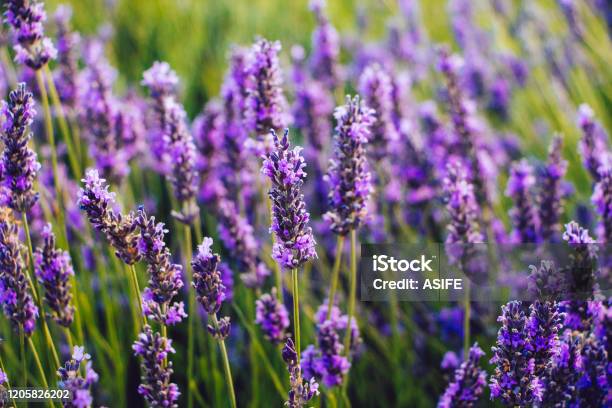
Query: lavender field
[{"x": 187, "y": 188}]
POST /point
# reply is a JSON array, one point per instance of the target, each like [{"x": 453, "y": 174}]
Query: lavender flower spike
[
  {"x": 468, "y": 383},
  {"x": 27, "y": 19},
  {"x": 99, "y": 205},
  {"x": 592, "y": 146},
  {"x": 326, "y": 48},
  {"x": 208, "y": 285},
  {"x": 19, "y": 163},
  {"x": 301, "y": 390},
  {"x": 71, "y": 378},
  {"x": 524, "y": 214},
  {"x": 155, "y": 385},
  {"x": 53, "y": 269},
  {"x": 272, "y": 316},
  {"x": 265, "y": 105},
  {"x": 15, "y": 293},
  {"x": 348, "y": 175},
  {"x": 164, "y": 276},
  {"x": 295, "y": 243},
  {"x": 376, "y": 88},
  {"x": 550, "y": 192},
  {"x": 602, "y": 199},
  {"x": 66, "y": 76}
]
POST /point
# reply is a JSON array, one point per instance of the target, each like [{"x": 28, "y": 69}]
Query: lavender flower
[
  {"x": 375, "y": 87},
  {"x": 272, "y": 316},
  {"x": 161, "y": 80},
  {"x": 155, "y": 385},
  {"x": 19, "y": 162},
  {"x": 265, "y": 105},
  {"x": 78, "y": 377},
  {"x": 551, "y": 193},
  {"x": 99, "y": 115},
  {"x": 237, "y": 236},
  {"x": 348, "y": 175},
  {"x": 592, "y": 146},
  {"x": 326, "y": 48},
  {"x": 99, "y": 205},
  {"x": 130, "y": 126},
  {"x": 468, "y": 384},
  {"x": 15, "y": 293},
  {"x": 295, "y": 243},
  {"x": 593, "y": 384},
  {"x": 564, "y": 372},
  {"x": 27, "y": 19},
  {"x": 208, "y": 285},
  {"x": 164, "y": 276},
  {"x": 524, "y": 213},
  {"x": 67, "y": 79},
  {"x": 602, "y": 199},
  {"x": 332, "y": 364},
  {"x": 53, "y": 268},
  {"x": 543, "y": 327},
  {"x": 301, "y": 390},
  {"x": 339, "y": 322}
]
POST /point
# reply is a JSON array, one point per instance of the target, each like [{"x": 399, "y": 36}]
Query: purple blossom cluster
[
  {"x": 602, "y": 199},
  {"x": 15, "y": 294},
  {"x": 78, "y": 376},
  {"x": 592, "y": 145},
  {"x": 165, "y": 280},
  {"x": 53, "y": 268},
  {"x": 19, "y": 163},
  {"x": 285, "y": 167},
  {"x": 302, "y": 390},
  {"x": 66, "y": 76},
  {"x": 468, "y": 383},
  {"x": 551, "y": 194},
  {"x": 524, "y": 213},
  {"x": 26, "y": 19},
  {"x": 155, "y": 385},
  {"x": 348, "y": 175},
  {"x": 272, "y": 316},
  {"x": 326, "y": 48}
]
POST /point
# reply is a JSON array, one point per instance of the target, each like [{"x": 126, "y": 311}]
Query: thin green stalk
[
  {"x": 8, "y": 383},
  {"x": 22, "y": 356},
  {"x": 136, "y": 287},
  {"x": 40, "y": 367},
  {"x": 352, "y": 293},
  {"x": 191, "y": 321},
  {"x": 296, "y": 311},
  {"x": 69, "y": 338},
  {"x": 226, "y": 365},
  {"x": 10, "y": 69},
  {"x": 466, "y": 321},
  {"x": 335, "y": 274}
]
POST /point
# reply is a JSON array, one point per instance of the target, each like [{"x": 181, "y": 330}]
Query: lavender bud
[
  {"x": 53, "y": 268},
  {"x": 15, "y": 293},
  {"x": 325, "y": 48},
  {"x": 78, "y": 377},
  {"x": 564, "y": 372},
  {"x": 594, "y": 382},
  {"x": 295, "y": 243},
  {"x": 301, "y": 391},
  {"x": 67, "y": 79},
  {"x": 602, "y": 199},
  {"x": 592, "y": 146},
  {"x": 468, "y": 383},
  {"x": 348, "y": 175},
  {"x": 155, "y": 385},
  {"x": 27, "y": 19},
  {"x": 272, "y": 316},
  {"x": 165, "y": 279},
  {"x": 207, "y": 279},
  {"x": 99, "y": 205},
  {"x": 19, "y": 162},
  {"x": 524, "y": 215},
  {"x": 551, "y": 192}
]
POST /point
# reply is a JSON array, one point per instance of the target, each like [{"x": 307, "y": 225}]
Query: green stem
[
  {"x": 296, "y": 311},
  {"x": 40, "y": 367},
  {"x": 226, "y": 365},
  {"x": 22, "y": 356},
  {"x": 191, "y": 321},
  {"x": 136, "y": 287},
  {"x": 335, "y": 274},
  {"x": 8, "y": 383},
  {"x": 466, "y": 321},
  {"x": 352, "y": 293}
]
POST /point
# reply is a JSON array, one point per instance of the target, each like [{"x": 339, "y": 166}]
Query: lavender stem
[
  {"x": 136, "y": 287},
  {"x": 352, "y": 293},
  {"x": 335, "y": 273},
  {"x": 226, "y": 364},
  {"x": 466, "y": 320},
  {"x": 296, "y": 311},
  {"x": 192, "y": 314}
]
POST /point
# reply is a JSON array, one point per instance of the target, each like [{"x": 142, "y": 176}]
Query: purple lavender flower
[
  {"x": 568, "y": 7},
  {"x": 227, "y": 278},
  {"x": 19, "y": 163},
  {"x": 272, "y": 316},
  {"x": 524, "y": 213},
  {"x": 375, "y": 87},
  {"x": 53, "y": 268},
  {"x": 237, "y": 236},
  {"x": 265, "y": 105},
  {"x": 563, "y": 373},
  {"x": 78, "y": 377},
  {"x": 295, "y": 243},
  {"x": 155, "y": 385},
  {"x": 348, "y": 175},
  {"x": 67, "y": 79},
  {"x": 339, "y": 322},
  {"x": 450, "y": 361},
  {"x": 593, "y": 385},
  {"x": 326, "y": 361},
  {"x": 468, "y": 384},
  {"x": 543, "y": 327},
  {"x": 130, "y": 126},
  {"x": 513, "y": 381},
  {"x": 499, "y": 98},
  {"x": 602, "y": 199},
  {"x": 27, "y": 19},
  {"x": 164, "y": 276},
  {"x": 99, "y": 205},
  {"x": 592, "y": 146},
  {"x": 551, "y": 192},
  {"x": 301, "y": 390},
  {"x": 325, "y": 48},
  {"x": 15, "y": 293},
  {"x": 161, "y": 80},
  {"x": 99, "y": 115}
]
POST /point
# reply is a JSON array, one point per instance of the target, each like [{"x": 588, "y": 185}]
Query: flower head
[
  {"x": 272, "y": 316},
  {"x": 550, "y": 197},
  {"x": 592, "y": 145},
  {"x": 66, "y": 76},
  {"x": 78, "y": 376},
  {"x": 326, "y": 47},
  {"x": 301, "y": 390},
  {"x": 524, "y": 214},
  {"x": 468, "y": 383}
]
